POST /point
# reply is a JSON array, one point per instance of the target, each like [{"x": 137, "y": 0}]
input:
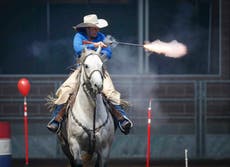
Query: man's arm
[{"x": 78, "y": 44}]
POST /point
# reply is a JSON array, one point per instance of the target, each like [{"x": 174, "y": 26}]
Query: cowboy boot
[
  {"x": 57, "y": 118},
  {"x": 124, "y": 123}
]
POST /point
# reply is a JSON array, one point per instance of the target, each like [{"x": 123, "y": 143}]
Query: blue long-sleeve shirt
[{"x": 78, "y": 44}]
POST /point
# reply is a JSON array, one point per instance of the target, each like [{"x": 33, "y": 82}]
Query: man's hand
[{"x": 101, "y": 44}]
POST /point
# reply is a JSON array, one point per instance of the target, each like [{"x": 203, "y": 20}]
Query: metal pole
[
  {"x": 140, "y": 35},
  {"x": 146, "y": 34},
  {"x": 209, "y": 38},
  {"x": 204, "y": 117},
  {"x": 197, "y": 125},
  {"x": 48, "y": 20},
  {"x": 220, "y": 37},
  {"x": 200, "y": 120}
]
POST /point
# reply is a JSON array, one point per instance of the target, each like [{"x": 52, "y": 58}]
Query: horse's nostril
[
  {"x": 96, "y": 86},
  {"x": 99, "y": 88}
]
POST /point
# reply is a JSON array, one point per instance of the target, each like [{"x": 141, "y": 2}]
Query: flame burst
[{"x": 170, "y": 49}]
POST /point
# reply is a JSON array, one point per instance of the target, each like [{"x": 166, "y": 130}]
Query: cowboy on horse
[{"x": 88, "y": 36}]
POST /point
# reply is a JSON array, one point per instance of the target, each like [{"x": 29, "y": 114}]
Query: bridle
[{"x": 87, "y": 86}]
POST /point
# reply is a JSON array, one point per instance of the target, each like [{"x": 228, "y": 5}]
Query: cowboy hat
[{"x": 91, "y": 21}]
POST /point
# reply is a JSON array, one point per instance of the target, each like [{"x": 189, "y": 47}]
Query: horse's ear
[
  {"x": 83, "y": 54},
  {"x": 98, "y": 50}
]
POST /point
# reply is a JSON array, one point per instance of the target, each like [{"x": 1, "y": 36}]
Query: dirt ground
[{"x": 124, "y": 163}]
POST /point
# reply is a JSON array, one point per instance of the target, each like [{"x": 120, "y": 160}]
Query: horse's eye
[{"x": 86, "y": 66}]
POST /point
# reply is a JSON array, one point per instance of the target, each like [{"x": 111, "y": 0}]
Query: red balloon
[{"x": 24, "y": 86}]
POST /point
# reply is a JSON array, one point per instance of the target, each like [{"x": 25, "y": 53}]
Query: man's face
[{"x": 92, "y": 32}]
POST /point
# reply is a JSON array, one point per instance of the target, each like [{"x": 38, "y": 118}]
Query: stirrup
[
  {"x": 52, "y": 128},
  {"x": 127, "y": 126}
]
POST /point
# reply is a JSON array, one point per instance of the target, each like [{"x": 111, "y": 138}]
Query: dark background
[{"x": 36, "y": 36}]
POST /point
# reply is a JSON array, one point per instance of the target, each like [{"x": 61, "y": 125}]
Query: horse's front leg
[{"x": 75, "y": 151}]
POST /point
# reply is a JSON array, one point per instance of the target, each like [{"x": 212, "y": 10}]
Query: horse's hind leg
[
  {"x": 102, "y": 159},
  {"x": 98, "y": 162},
  {"x": 101, "y": 162},
  {"x": 74, "y": 164}
]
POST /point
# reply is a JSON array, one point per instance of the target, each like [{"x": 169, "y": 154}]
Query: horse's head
[{"x": 92, "y": 71}]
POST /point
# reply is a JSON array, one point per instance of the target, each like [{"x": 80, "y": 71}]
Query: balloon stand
[
  {"x": 26, "y": 133},
  {"x": 24, "y": 88}
]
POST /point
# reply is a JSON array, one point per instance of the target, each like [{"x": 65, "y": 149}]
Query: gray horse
[{"x": 88, "y": 132}]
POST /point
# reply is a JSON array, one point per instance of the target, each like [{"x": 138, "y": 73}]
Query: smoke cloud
[{"x": 171, "y": 49}]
